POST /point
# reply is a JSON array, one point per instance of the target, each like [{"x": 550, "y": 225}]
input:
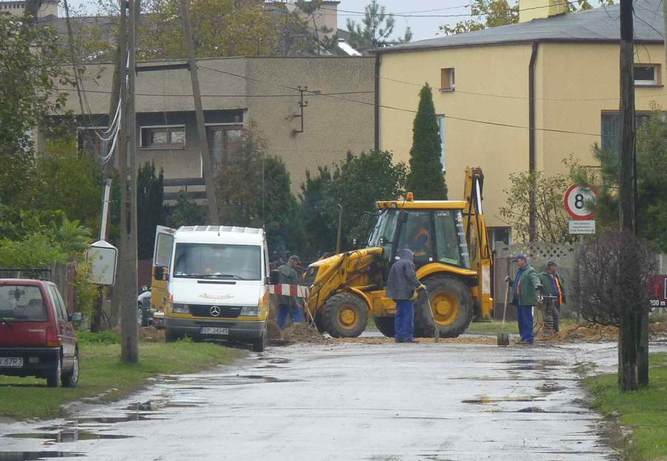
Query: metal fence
[{"x": 539, "y": 254}]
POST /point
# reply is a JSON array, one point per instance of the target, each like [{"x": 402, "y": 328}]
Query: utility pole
[
  {"x": 208, "y": 161},
  {"x": 629, "y": 335},
  {"x": 128, "y": 181}
]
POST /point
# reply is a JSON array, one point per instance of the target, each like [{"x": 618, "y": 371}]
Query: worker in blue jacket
[
  {"x": 527, "y": 289},
  {"x": 402, "y": 284}
]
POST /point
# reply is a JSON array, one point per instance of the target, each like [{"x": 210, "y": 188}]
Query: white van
[{"x": 211, "y": 283}]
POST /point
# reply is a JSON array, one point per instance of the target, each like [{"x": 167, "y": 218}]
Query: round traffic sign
[{"x": 577, "y": 199}]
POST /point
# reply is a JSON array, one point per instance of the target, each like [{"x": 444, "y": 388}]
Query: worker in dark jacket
[
  {"x": 527, "y": 290},
  {"x": 288, "y": 306},
  {"x": 554, "y": 288},
  {"x": 401, "y": 285}
]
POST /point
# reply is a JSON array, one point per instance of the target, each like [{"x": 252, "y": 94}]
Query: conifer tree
[{"x": 426, "y": 179}]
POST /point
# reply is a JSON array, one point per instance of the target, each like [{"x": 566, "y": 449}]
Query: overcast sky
[
  {"x": 425, "y": 25},
  {"x": 424, "y": 21}
]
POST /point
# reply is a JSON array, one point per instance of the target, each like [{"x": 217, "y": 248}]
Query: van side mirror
[{"x": 76, "y": 317}]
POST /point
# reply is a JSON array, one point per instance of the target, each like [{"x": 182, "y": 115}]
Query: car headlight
[
  {"x": 250, "y": 311},
  {"x": 180, "y": 308}
]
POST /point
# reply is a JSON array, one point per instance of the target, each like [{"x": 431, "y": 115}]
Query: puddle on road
[
  {"x": 550, "y": 387},
  {"x": 489, "y": 401},
  {"x": 35, "y": 455},
  {"x": 544, "y": 363},
  {"x": 274, "y": 360},
  {"x": 67, "y": 435}
]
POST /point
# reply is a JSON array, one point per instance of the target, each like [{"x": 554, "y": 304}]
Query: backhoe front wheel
[
  {"x": 452, "y": 308},
  {"x": 344, "y": 315}
]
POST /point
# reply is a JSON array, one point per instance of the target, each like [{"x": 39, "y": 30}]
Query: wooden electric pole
[
  {"x": 208, "y": 161},
  {"x": 632, "y": 354},
  {"x": 128, "y": 181}
]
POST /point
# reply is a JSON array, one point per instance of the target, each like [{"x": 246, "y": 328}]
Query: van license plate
[
  {"x": 214, "y": 331},
  {"x": 11, "y": 362}
]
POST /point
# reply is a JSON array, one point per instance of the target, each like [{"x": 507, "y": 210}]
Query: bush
[{"x": 613, "y": 275}]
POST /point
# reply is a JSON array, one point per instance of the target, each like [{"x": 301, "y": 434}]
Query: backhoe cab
[{"x": 452, "y": 258}]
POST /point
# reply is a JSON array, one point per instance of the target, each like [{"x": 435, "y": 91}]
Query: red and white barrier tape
[{"x": 283, "y": 289}]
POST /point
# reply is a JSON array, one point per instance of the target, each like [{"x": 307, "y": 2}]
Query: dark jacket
[
  {"x": 289, "y": 276},
  {"x": 552, "y": 285},
  {"x": 402, "y": 279},
  {"x": 526, "y": 286}
]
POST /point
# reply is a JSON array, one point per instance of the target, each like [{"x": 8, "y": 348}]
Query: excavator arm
[{"x": 481, "y": 259}]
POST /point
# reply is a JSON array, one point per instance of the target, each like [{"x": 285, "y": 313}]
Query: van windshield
[
  {"x": 217, "y": 261},
  {"x": 22, "y": 303}
]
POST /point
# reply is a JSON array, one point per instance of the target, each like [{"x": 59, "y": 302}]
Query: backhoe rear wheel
[
  {"x": 452, "y": 308},
  {"x": 344, "y": 315},
  {"x": 385, "y": 325}
]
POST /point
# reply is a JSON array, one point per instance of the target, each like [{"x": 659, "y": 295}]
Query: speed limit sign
[{"x": 577, "y": 199}]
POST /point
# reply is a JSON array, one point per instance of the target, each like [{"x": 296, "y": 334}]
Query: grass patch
[
  {"x": 492, "y": 328},
  {"x": 102, "y": 372},
  {"x": 645, "y": 411}
]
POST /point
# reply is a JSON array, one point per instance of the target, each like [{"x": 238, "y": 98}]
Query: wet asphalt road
[{"x": 345, "y": 402}]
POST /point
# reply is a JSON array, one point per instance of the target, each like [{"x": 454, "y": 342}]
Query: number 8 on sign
[{"x": 577, "y": 199}]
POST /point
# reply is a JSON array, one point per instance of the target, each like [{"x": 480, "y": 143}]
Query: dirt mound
[
  {"x": 151, "y": 335},
  {"x": 299, "y": 333},
  {"x": 584, "y": 332}
]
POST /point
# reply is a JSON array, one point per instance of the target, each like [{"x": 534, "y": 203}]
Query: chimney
[{"x": 540, "y": 9}]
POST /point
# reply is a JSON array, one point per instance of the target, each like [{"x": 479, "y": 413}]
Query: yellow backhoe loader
[{"x": 452, "y": 256}]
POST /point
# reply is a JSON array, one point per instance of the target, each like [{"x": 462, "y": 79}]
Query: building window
[
  {"x": 447, "y": 80},
  {"x": 441, "y": 130},
  {"x": 163, "y": 137},
  {"x": 224, "y": 140},
  {"x": 647, "y": 74},
  {"x": 499, "y": 234},
  {"x": 611, "y": 129}
]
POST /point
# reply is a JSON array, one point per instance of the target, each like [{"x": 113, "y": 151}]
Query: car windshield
[
  {"x": 22, "y": 303},
  {"x": 218, "y": 261},
  {"x": 384, "y": 229}
]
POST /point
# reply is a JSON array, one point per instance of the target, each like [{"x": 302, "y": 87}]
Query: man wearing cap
[
  {"x": 526, "y": 290},
  {"x": 288, "y": 306},
  {"x": 553, "y": 287}
]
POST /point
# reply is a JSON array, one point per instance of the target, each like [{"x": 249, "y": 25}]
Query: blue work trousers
[
  {"x": 285, "y": 311},
  {"x": 525, "y": 318},
  {"x": 404, "y": 322}
]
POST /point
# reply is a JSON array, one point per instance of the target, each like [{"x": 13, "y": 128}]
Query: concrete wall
[
  {"x": 575, "y": 83},
  {"x": 265, "y": 91},
  {"x": 334, "y": 123}
]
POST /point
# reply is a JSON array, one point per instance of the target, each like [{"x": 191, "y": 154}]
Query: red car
[{"x": 37, "y": 337}]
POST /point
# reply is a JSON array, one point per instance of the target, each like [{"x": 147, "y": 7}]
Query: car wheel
[
  {"x": 259, "y": 344},
  {"x": 71, "y": 378},
  {"x": 54, "y": 378}
]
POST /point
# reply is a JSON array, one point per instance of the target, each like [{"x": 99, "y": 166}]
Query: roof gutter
[{"x": 532, "y": 155}]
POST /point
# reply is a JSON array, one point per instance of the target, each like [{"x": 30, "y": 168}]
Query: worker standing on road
[
  {"x": 288, "y": 306},
  {"x": 401, "y": 285},
  {"x": 553, "y": 287},
  {"x": 527, "y": 292}
]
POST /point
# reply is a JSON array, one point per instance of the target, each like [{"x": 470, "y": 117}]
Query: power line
[
  {"x": 184, "y": 95},
  {"x": 401, "y": 109},
  {"x": 388, "y": 107},
  {"x": 505, "y": 96}
]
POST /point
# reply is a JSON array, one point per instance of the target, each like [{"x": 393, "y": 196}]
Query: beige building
[
  {"x": 337, "y": 114},
  {"x": 521, "y": 96}
]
